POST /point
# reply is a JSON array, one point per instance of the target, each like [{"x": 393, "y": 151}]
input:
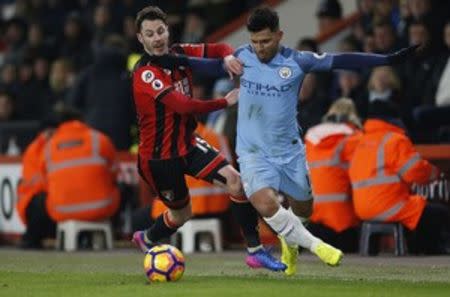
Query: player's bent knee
[{"x": 265, "y": 202}]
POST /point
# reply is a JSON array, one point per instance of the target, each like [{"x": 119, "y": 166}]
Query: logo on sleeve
[
  {"x": 147, "y": 76},
  {"x": 285, "y": 72},
  {"x": 157, "y": 85},
  {"x": 168, "y": 195}
]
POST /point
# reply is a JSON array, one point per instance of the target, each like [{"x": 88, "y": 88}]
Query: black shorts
[{"x": 166, "y": 177}]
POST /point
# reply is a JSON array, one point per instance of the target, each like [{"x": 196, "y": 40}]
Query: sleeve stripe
[
  {"x": 163, "y": 93},
  {"x": 411, "y": 162}
]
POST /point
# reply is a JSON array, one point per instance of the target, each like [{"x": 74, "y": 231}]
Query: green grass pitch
[{"x": 120, "y": 273}]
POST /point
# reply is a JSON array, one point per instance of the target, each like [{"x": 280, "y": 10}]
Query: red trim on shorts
[
  {"x": 168, "y": 222},
  {"x": 210, "y": 167}
]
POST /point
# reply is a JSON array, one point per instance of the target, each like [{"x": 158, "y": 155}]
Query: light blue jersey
[
  {"x": 270, "y": 150},
  {"x": 267, "y": 118}
]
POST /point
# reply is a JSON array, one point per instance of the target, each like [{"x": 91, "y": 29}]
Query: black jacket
[{"x": 103, "y": 94}]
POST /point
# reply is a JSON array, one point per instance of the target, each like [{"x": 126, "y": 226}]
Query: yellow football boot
[
  {"x": 328, "y": 254},
  {"x": 289, "y": 255}
]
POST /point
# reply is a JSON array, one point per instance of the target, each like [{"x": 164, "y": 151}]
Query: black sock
[
  {"x": 247, "y": 218},
  {"x": 159, "y": 230}
]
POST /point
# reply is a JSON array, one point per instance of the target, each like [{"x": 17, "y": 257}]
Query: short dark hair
[
  {"x": 150, "y": 13},
  {"x": 262, "y": 18}
]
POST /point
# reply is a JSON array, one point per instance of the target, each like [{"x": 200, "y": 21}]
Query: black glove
[{"x": 401, "y": 55}]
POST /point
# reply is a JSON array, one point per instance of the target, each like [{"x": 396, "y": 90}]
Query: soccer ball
[{"x": 164, "y": 263}]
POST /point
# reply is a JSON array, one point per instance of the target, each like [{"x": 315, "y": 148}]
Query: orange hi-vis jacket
[
  {"x": 32, "y": 181},
  {"x": 205, "y": 197},
  {"x": 384, "y": 165},
  {"x": 329, "y": 148},
  {"x": 81, "y": 169}
]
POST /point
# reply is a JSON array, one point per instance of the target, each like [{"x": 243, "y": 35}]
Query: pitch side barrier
[{"x": 10, "y": 170}]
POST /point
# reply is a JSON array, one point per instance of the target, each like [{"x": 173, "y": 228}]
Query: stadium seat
[
  {"x": 370, "y": 227},
  {"x": 192, "y": 228},
  {"x": 68, "y": 231}
]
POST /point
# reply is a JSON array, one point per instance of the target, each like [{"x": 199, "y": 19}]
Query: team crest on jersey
[
  {"x": 157, "y": 85},
  {"x": 285, "y": 72},
  {"x": 168, "y": 195},
  {"x": 147, "y": 76}
]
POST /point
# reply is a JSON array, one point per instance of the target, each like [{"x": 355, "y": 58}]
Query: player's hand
[
  {"x": 232, "y": 97},
  {"x": 232, "y": 65},
  {"x": 403, "y": 54}
]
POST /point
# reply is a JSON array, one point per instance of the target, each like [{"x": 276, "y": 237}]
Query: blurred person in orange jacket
[
  {"x": 80, "y": 165},
  {"x": 329, "y": 148},
  {"x": 77, "y": 164},
  {"x": 32, "y": 188},
  {"x": 384, "y": 165}
]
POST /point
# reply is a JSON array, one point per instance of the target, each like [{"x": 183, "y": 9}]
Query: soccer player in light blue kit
[{"x": 270, "y": 150}]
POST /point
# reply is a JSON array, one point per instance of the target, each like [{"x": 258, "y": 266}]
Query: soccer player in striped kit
[{"x": 169, "y": 148}]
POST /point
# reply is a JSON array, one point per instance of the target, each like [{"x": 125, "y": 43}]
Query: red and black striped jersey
[{"x": 164, "y": 106}]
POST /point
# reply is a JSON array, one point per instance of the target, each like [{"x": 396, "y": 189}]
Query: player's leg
[
  {"x": 206, "y": 163},
  {"x": 247, "y": 217},
  {"x": 296, "y": 187},
  {"x": 262, "y": 179},
  {"x": 243, "y": 212},
  {"x": 166, "y": 177},
  {"x": 266, "y": 201},
  {"x": 283, "y": 221},
  {"x": 289, "y": 254}
]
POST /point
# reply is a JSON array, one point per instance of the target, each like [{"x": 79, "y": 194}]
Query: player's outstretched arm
[
  {"x": 206, "y": 66},
  {"x": 216, "y": 67},
  {"x": 184, "y": 105},
  {"x": 362, "y": 60}
]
